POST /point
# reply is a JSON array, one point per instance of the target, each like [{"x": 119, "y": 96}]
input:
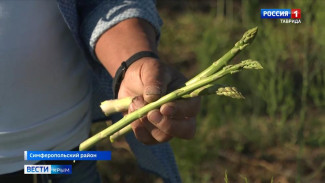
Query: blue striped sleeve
[{"x": 110, "y": 12}]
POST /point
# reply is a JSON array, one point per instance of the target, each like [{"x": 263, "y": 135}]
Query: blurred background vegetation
[{"x": 279, "y": 129}]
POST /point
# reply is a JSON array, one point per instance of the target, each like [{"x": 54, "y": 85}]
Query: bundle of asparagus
[{"x": 200, "y": 85}]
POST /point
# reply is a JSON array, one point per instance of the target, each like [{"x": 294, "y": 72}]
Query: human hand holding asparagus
[{"x": 202, "y": 84}]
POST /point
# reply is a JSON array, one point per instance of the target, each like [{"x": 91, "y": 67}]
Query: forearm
[{"x": 123, "y": 40}]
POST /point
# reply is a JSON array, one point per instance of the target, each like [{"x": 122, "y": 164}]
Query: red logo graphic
[{"x": 295, "y": 13}]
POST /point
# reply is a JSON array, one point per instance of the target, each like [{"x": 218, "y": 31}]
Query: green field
[{"x": 278, "y": 131}]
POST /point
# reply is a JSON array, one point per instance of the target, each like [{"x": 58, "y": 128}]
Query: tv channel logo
[
  {"x": 285, "y": 15},
  {"x": 296, "y": 13},
  {"x": 47, "y": 169}
]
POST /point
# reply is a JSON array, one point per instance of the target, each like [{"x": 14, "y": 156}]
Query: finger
[
  {"x": 142, "y": 134},
  {"x": 137, "y": 102},
  {"x": 156, "y": 133},
  {"x": 181, "y": 108},
  {"x": 155, "y": 78},
  {"x": 143, "y": 129},
  {"x": 139, "y": 129},
  {"x": 182, "y": 128}
]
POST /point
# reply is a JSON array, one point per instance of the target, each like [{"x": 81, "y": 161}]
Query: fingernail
[
  {"x": 168, "y": 110},
  {"x": 155, "y": 116},
  {"x": 138, "y": 102},
  {"x": 131, "y": 108},
  {"x": 153, "y": 90}
]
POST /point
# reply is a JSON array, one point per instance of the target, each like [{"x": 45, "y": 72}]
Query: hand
[{"x": 149, "y": 79}]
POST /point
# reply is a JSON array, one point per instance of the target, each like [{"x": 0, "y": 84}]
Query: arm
[
  {"x": 147, "y": 78},
  {"x": 123, "y": 40}
]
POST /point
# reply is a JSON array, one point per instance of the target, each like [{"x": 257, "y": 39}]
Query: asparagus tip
[
  {"x": 252, "y": 64},
  {"x": 111, "y": 139},
  {"x": 247, "y": 38}
]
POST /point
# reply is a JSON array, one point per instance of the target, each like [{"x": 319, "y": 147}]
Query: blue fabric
[
  {"x": 95, "y": 17},
  {"x": 109, "y": 13}
]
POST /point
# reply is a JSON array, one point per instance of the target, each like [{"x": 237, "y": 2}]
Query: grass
[
  {"x": 280, "y": 114},
  {"x": 231, "y": 147}
]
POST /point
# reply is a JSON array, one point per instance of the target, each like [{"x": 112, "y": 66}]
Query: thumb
[{"x": 155, "y": 78}]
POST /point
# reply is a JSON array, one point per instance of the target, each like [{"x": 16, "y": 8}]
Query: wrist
[
  {"x": 120, "y": 73},
  {"x": 123, "y": 40}
]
